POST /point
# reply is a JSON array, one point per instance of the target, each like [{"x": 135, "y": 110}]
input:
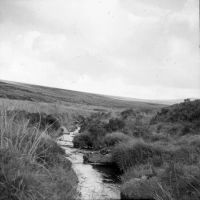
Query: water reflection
[{"x": 109, "y": 173}]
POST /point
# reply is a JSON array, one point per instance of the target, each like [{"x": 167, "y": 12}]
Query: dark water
[{"x": 95, "y": 181}]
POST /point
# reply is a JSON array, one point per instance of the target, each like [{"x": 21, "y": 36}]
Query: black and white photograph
[{"x": 99, "y": 99}]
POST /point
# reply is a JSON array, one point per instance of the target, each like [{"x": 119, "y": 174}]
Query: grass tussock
[
  {"x": 142, "y": 189},
  {"x": 40, "y": 120},
  {"x": 176, "y": 168},
  {"x": 182, "y": 181},
  {"x": 115, "y": 138},
  {"x": 32, "y": 165},
  {"x": 136, "y": 152}
]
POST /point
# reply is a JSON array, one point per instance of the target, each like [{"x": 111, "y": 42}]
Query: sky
[{"x": 145, "y": 49}]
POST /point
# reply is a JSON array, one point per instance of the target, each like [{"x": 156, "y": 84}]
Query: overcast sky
[{"x": 135, "y": 48}]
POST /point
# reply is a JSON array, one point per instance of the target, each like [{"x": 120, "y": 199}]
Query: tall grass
[
  {"x": 134, "y": 152},
  {"x": 32, "y": 165},
  {"x": 115, "y": 138},
  {"x": 182, "y": 181},
  {"x": 175, "y": 167}
]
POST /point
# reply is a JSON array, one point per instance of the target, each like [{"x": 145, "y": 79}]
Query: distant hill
[
  {"x": 36, "y": 93},
  {"x": 178, "y": 119},
  {"x": 186, "y": 111},
  {"x": 156, "y": 101}
]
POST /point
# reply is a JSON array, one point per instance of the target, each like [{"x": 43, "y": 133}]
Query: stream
[{"x": 95, "y": 182}]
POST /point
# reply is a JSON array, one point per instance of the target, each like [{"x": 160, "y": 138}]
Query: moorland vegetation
[
  {"x": 158, "y": 153},
  {"x": 32, "y": 165}
]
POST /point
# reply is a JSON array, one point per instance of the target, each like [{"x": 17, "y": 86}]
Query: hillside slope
[
  {"x": 19, "y": 91},
  {"x": 188, "y": 111},
  {"x": 178, "y": 119}
]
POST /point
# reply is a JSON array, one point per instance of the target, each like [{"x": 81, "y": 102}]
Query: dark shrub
[
  {"x": 185, "y": 130},
  {"x": 97, "y": 129},
  {"x": 115, "y": 125},
  {"x": 128, "y": 113},
  {"x": 83, "y": 140}
]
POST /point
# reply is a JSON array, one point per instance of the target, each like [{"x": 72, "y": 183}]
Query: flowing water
[{"x": 95, "y": 182}]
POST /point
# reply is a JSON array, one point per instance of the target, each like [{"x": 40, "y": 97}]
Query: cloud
[{"x": 142, "y": 48}]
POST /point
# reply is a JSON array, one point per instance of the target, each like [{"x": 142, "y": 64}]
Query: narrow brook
[{"x": 95, "y": 182}]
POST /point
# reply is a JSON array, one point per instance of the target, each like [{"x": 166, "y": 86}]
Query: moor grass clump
[
  {"x": 32, "y": 165},
  {"x": 82, "y": 140},
  {"x": 39, "y": 120},
  {"x": 182, "y": 181},
  {"x": 115, "y": 124},
  {"x": 115, "y": 138},
  {"x": 164, "y": 164},
  {"x": 134, "y": 152}
]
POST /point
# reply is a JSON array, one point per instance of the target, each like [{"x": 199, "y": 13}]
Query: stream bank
[{"x": 95, "y": 181}]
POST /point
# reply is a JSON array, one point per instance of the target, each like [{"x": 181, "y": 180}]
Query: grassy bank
[
  {"x": 32, "y": 165},
  {"x": 158, "y": 153}
]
